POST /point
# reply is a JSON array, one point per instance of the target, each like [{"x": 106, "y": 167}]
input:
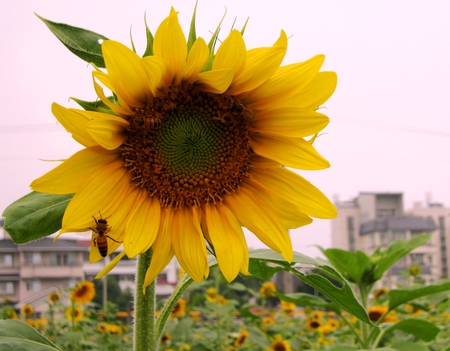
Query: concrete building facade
[{"x": 373, "y": 220}]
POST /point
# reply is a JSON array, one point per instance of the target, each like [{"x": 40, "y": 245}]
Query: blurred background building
[{"x": 373, "y": 220}]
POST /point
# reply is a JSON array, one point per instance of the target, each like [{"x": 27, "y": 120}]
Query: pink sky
[{"x": 390, "y": 125}]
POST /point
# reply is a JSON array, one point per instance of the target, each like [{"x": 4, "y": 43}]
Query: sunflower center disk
[{"x": 188, "y": 147}]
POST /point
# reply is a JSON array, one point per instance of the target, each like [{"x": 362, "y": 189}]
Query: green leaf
[
  {"x": 149, "y": 35},
  {"x": 399, "y": 248},
  {"x": 420, "y": 328},
  {"x": 303, "y": 299},
  {"x": 409, "y": 346},
  {"x": 81, "y": 42},
  {"x": 342, "y": 296},
  {"x": 97, "y": 106},
  {"x": 34, "y": 216},
  {"x": 352, "y": 265},
  {"x": 192, "y": 35},
  {"x": 401, "y": 296},
  {"x": 259, "y": 269},
  {"x": 18, "y": 336}
]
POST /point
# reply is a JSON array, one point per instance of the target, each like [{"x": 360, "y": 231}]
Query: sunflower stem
[{"x": 144, "y": 308}]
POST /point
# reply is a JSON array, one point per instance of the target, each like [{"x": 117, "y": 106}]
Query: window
[
  {"x": 34, "y": 285},
  {"x": 6, "y": 260},
  {"x": 384, "y": 238},
  {"x": 70, "y": 283},
  {"x": 398, "y": 234},
  {"x": 383, "y": 213},
  {"x": 6, "y": 287},
  {"x": 351, "y": 232},
  {"x": 418, "y": 258},
  {"x": 32, "y": 258},
  {"x": 62, "y": 259}
]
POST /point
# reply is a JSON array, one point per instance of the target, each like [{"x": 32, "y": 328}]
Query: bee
[
  {"x": 102, "y": 228},
  {"x": 151, "y": 123}
]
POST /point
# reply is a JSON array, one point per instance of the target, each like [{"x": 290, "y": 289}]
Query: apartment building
[
  {"x": 372, "y": 220},
  {"x": 29, "y": 272}
]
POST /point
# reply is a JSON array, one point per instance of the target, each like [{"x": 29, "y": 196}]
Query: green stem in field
[
  {"x": 364, "y": 326},
  {"x": 144, "y": 308},
  {"x": 352, "y": 328}
]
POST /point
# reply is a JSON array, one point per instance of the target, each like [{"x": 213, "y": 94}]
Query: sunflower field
[{"x": 248, "y": 314}]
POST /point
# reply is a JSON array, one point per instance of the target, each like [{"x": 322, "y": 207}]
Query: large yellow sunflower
[{"x": 195, "y": 149}]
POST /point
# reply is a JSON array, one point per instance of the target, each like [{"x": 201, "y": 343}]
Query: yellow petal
[
  {"x": 227, "y": 239},
  {"x": 74, "y": 124},
  {"x": 109, "y": 131},
  {"x": 162, "y": 248},
  {"x": 287, "y": 213},
  {"x": 287, "y": 81},
  {"x": 252, "y": 214},
  {"x": 103, "y": 191},
  {"x": 314, "y": 94},
  {"x": 216, "y": 81},
  {"x": 71, "y": 175},
  {"x": 188, "y": 243},
  {"x": 196, "y": 60},
  {"x": 154, "y": 67},
  {"x": 231, "y": 54},
  {"x": 296, "y": 153},
  {"x": 110, "y": 265},
  {"x": 290, "y": 122},
  {"x": 125, "y": 73},
  {"x": 297, "y": 190},
  {"x": 122, "y": 109},
  {"x": 261, "y": 64},
  {"x": 142, "y": 226},
  {"x": 170, "y": 44}
]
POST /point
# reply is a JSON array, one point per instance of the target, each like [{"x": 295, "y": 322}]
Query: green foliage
[
  {"x": 83, "y": 43},
  {"x": 34, "y": 216},
  {"x": 401, "y": 296},
  {"x": 420, "y": 328},
  {"x": 18, "y": 336}
]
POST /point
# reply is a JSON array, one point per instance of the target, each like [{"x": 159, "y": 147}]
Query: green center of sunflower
[{"x": 188, "y": 147}]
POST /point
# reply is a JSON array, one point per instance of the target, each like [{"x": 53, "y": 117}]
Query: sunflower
[
  {"x": 211, "y": 295},
  {"x": 84, "y": 292},
  {"x": 102, "y": 327},
  {"x": 74, "y": 314},
  {"x": 279, "y": 344},
  {"x": 165, "y": 338},
  {"x": 241, "y": 339},
  {"x": 380, "y": 292},
  {"x": 414, "y": 270},
  {"x": 267, "y": 289},
  {"x": 27, "y": 310},
  {"x": 179, "y": 309},
  {"x": 376, "y": 312},
  {"x": 114, "y": 329},
  {"x": 54, "y": 297},
  {"x": 193, "y": 148},
  {"x": 313, "y": 324},
  {"x": 287, "y": 306}
]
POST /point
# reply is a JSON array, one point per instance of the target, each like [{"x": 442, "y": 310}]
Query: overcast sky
[{"x": 390, "y": 125}]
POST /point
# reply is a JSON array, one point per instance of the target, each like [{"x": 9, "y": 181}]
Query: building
[
  {"x": 374, "y": 220},
  {"x": 30, "y": 272}
]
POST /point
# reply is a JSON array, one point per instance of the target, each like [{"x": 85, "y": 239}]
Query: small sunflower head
[
  {"x": 376, "y": 312},
  {"x": 114, "y": 329},
  {"x": 380, "y": 292},
  {"x": 242, "y": 338},
  {"x": 75, "y": 314},
  {"x": 179, "y": 310},
  {"x": 287, "y": 306},
  {"x": 165, "y": 339},
  {"x": 211, "y": 294},
  {"x": 415, "y": 270},
  {"x": 279, "y": 344},
  {"x": 54, "y": 297},
  {"x": 313, "y": 324},
  {"x": 83, "y": 293},
  {"x": 27, "y": 310},
  {"x": 267, "y": 289},
  {"x": 101, "y": 327}
]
